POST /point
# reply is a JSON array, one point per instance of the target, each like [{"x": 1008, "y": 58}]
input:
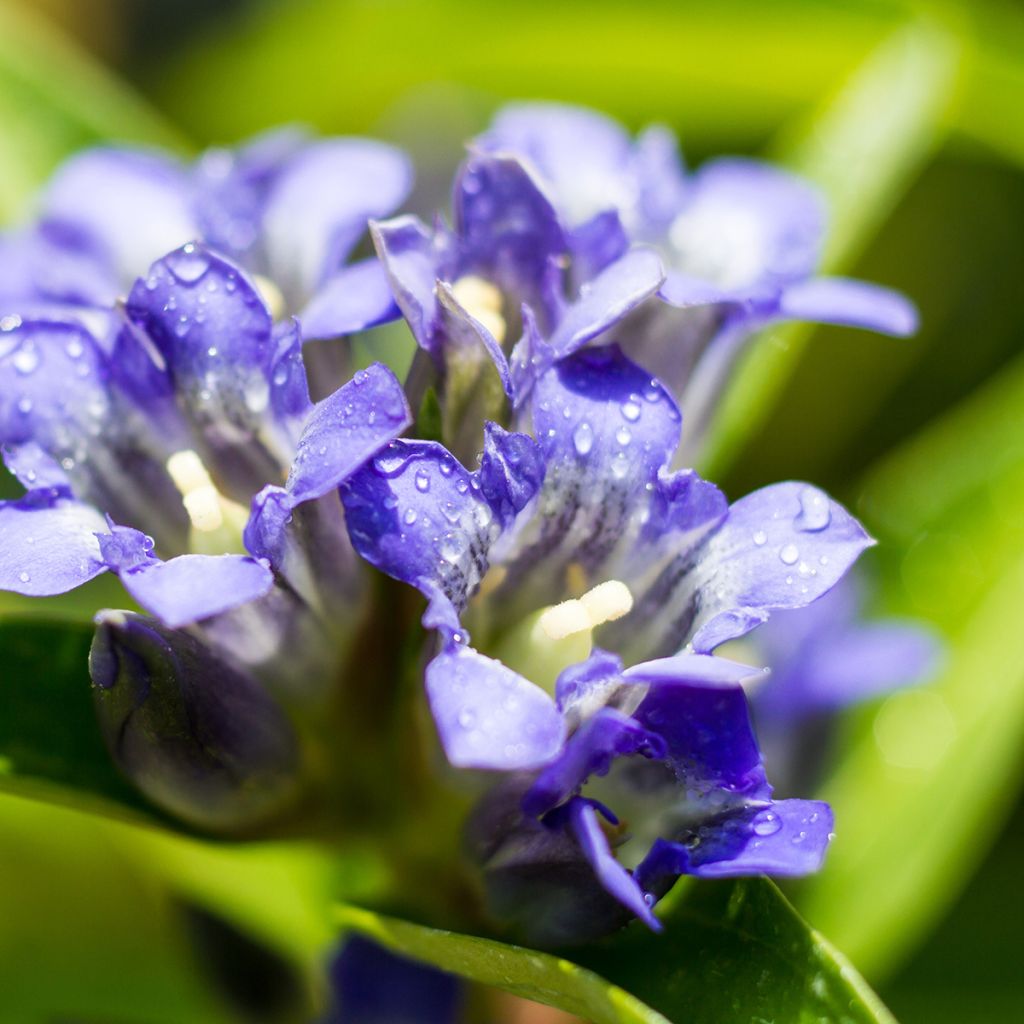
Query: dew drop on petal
[
  {"x": 422, "y": 481},
  {"x": 789, "y": 554},
  {"x": 760, "y": 538},
  {"x": 767, "y": 823},
  {"x": 631, "y": 410},
  {"x": 583, "y": 438},
  {"x": 815, "y": 511}
]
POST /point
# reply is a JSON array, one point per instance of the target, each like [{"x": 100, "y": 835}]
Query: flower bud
[{"x": 199, "y": 737}]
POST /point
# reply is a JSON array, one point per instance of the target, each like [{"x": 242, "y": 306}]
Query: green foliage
[
  {"x": 731, "y": 951},
  {"x": 931, "y": 774},
  {"x": 46, "y": 114}
]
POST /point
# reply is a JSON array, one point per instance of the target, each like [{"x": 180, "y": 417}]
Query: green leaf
[
  {"x": 50, "y": 745},
  {"x": 931, "y": 774},
  {"x": 53, "y": 100},
  {"x": 731, "y": 951},
  {"x": 862, "y": 150}
]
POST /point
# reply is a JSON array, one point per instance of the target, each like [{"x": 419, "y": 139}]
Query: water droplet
[
  {"x": 760, "y": 538},
  {"x": 620, "y": 466},
  {"x": 623, "y": 436},
  {"x": 422, "y": 481},
  {"x": 280, "y": 376},
  {"x": 799, "y": 838},
  {"x": 212, "y": 351},
  {"x": 188, "y": 264},
  {"x": 767, "y": 823},
  {"x": 74, "y": 348},
  {"x": 24, "y": 405},
  {"x": 652, "y": 392},
  {"x": 446, "y": 468},
  {"x": 467, "y": 718},
  {"x": 631, "y": 409},
  {"x": 410, "y": 516},
  {"x": 453, "y": 547},
  {"x": 815, "y": 511},
  {"x": 25, "y": 360},
  {"x": 24, "y": 577},
  {"x": 789, "y": 554},
  {"x": 583, "y": 438}
]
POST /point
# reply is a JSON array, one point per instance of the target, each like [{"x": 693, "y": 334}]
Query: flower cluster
[{"x": 164, "y": 331}]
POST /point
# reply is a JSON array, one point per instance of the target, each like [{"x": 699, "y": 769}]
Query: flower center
[{"x": 604, "y": 603}]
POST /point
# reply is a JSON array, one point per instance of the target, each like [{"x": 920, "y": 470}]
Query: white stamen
[{"x": 604, "y": 603}]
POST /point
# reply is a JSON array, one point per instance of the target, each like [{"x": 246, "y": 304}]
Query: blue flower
[
  {"x": 739, "y": 240},
  {"x": 286, "y": 209}
]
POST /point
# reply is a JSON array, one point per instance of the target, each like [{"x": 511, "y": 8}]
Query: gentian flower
[
  {"x": 288, "y": 210},
  {"x": 585, "y": 533},
  {"x": 739, "y": 240}
]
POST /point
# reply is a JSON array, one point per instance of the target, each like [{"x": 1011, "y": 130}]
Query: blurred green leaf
[
  {"x": 731, "y": 951},
  {"x": 50, "y": 746},
  {"x": 53, "y": 100},
  {"x": 931, "y": 773},
  {"x": 862, "y": 150},
  {"x": 344, "y": 66}
]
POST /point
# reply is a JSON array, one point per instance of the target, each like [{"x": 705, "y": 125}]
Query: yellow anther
[
  {"x": 482, "y": 301},
  {"x": 565, "y": 619},
  {"x": 271, "y": 295},
  {"x": 205, "y": 505}
]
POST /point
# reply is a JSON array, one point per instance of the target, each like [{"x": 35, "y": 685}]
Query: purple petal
[
  {"x": 589, "y": 751},
  {"x": 194, "y": 587},
  {"x": 489, "y": 716},
  {"x": 699, "y": 709},
  {"x": 352, "y": 299},
  {"x": 603, "y": 302},
  {"x": 289, "y": 386},
  {"x": 781, "y": 547},
  {"x": 612, "y": 875},
  {"x": 320, "y": 206},
  {"x": 413, "y": 260},
  {"x": 52, "y": 386},
  {"x": 415, "y": 513},
  {"x": 345, "y": 430},
  {"x": 465, "y": 335},
  {"x": 48, "y": 547},
  {"x": 839, "y": 300},
  {"x": 787, "y": 838},
  {"x": 511, "y": 472},
  {"x": 135, "y": 205},
  {"x": 581, "y": 156},
  {"x": 747, "y": 223},
  {"x": 507, "y": 228},
  {"x": 35, "y": 470},
  {"x": 661, "y": 177}
]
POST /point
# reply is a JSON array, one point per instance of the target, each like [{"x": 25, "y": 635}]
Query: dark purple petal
[
  {"x": 194, "y": 587},
  {"x": 48, "y": 546},
  {"x": 375, "y": 986},
  {"x": 698, "y": 707},
  {"x": 345, "y": 430},
  {"x": 781, "y": 547},
  {"x": 839, "y": 300},
  {"x": 136, "y": 205},
  {"x": 264, "y": 534},
  {"x": 612, "y": 875},
  {"x": 785, "y": 838},
  {"x": 489, "y": 716},
  {"x": 352, "y": 299},
  {"x": 511, "y": 472},
  {"x": 289, "y": 386},
  {"x": 590, "y": 750},
  {"x": 320, "y": 205}
]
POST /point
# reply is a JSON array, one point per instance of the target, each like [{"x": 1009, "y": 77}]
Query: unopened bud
[{"x": 201, "y": 738}]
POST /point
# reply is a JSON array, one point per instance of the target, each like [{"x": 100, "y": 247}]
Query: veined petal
[{"x": 489, "y": 716}]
